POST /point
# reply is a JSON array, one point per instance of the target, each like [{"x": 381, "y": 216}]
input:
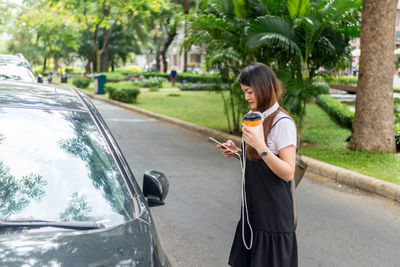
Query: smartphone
[{"x": 219, "y": 143}]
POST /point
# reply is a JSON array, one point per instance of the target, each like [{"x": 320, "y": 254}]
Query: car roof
[{"x": 40, "y": 96}]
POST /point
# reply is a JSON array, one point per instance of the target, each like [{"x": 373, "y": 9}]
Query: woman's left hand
[{"x": 254, "y": 137}]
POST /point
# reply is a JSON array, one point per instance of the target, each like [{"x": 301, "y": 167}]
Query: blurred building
[
  {"x": 355, "y": 45},
  {"x": 195, "y": 57}
]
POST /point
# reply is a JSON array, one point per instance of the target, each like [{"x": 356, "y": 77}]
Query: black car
[
  {"x": 67, "y": 195},
  {"x": 16, "y": 68}
]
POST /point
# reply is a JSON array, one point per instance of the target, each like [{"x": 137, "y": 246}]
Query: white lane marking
[{"x": 131, "y": 120}]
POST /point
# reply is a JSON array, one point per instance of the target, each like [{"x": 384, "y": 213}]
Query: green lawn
[
  {"x": 323, "y": 139},
  {"x": 199, "y": 107}
]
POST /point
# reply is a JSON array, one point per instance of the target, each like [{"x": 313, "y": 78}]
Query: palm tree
[
  {"x": 294, "y": 38},
  {"x": 224, "y": 36},
  {"x": 373, "y": 118},
  {"x": 302, "y": 41}
]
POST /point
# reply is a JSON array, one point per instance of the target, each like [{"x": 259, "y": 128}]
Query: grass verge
[
  {"x": 199, "y": 107},
  {"x": 325, "y": 141}
]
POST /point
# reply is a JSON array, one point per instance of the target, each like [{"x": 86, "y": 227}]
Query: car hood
[{"x": 129, "y": 244}]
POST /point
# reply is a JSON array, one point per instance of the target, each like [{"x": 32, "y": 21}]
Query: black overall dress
[{"x": 270, "y": 208}]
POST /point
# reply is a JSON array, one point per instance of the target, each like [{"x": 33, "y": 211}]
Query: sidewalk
[{"x": 316, "y": 169}]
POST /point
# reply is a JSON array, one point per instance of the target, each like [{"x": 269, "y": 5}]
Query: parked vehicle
[
  {"x": 16, "y": 68},
  {"x": 67, "y": 195}
]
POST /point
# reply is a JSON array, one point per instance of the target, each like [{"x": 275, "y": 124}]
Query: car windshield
[{"x": 55, "y": 165}]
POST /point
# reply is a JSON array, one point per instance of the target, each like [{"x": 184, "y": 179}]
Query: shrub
[
  {"x": 113, "y": 76},
  {"x": 347, "y": 80},
  {"x": 126, "y": 94},
  {"x": 185, "y": 77},
  {"x": 73, "y": 70},
  {"x": 344, "y": 116},
  {"x": 397, "y": 110},
  {"x": 38, "y": 70},
  {"x": 129, "y": 70},
  {"x": 397, "y": 122},
  {"x": 319, "y": 89},
  {"x": 173, "y": 95},
  {"x": 202, "y": 86},
  {"x": 81, "y": 82},
  {"x": 397, "y": 135},
  {"x": 337, "y": 111},
  {"x": 151, "y": 82}
]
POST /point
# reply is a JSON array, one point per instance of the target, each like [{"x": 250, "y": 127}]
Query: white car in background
[{"x": 15, "y": 68}]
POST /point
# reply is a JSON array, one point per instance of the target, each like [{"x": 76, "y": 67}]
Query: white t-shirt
[{"x": 283, "y": 134}]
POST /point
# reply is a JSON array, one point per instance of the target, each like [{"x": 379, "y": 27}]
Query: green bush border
[
  {"x": 338, "y": 111},
  {"x": 202, "y": 86},
  {"x": 341, "y": 114},
  {"x": 151, "y": 82},
  {"x": 126, "y": 94},
  {"x": 81, "y": 82}
]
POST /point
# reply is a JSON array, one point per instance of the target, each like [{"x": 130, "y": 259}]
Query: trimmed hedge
[
  {"x": 397, "y": 135},
  {"x": 129, "y": 70},
  {"x": 126, "y": 93},
  {"x": 113, "y": 76},
  {"x": 397, "y": 122},
  {"x": 347, "y": 80},
  {"x": 202, "y": 86},
  {"x": 319, "y": 89},
  {"x": 74, "y": 70},
  {"x": 337, "y": 111},
  {"x": 81, "y": 82},
  {"x": 185, "y": 77},
  {"x": 344, "y": 116},
  {"x": 151, "y": 82}
]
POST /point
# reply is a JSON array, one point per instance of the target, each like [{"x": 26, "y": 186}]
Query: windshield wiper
[{"x": 39, "y": 224}]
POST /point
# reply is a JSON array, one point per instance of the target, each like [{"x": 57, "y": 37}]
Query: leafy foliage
[
  {"x": 16, "y": 194},
  {"x": 113, "y": 76},
  {"x": 348, "y": 80},
  {"x": 81, "y": 82},
  {"x": 126, "y": 94},
  {"x": 151, "y": 82},
  {"x": 297, "y": 39},
  {"x": 202, "y": 86},
  {"x": 77, "y": 209},
  {"x": 339, "y": 112}
]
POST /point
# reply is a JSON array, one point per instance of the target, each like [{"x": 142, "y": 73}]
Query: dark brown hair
[{"x": 267, "y": 90}]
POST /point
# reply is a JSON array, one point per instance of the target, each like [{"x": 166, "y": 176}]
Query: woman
[
  {"x": 173, "y": 74},
  {"x": 268, "y": 237}
]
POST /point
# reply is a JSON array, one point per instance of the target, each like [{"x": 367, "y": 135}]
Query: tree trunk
[
  {"x": 157, "y": 46},
  {"x": 171, "y": 36},
  {"x": 185, "y": 52},
  {"x": 105, "y": 60},
  {"x": 98, "y": 60},
  {"x": 56, "y": 64},
  {"x": 44, "y": 65},
  {"x": 373, "y": 127},
  {"x": 185, "y": 7}
]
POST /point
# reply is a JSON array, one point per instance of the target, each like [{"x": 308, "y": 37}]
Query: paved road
[{"x": 338, "y": 226}]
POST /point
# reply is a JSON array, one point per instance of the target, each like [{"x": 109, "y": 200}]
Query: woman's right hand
[{"x": 231, "y": 152}]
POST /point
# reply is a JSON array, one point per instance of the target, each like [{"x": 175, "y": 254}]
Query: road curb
[{"x": 315, "y": 168}]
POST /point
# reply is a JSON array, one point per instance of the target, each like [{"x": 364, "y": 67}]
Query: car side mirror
[{"x": 155, "y": 187}]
